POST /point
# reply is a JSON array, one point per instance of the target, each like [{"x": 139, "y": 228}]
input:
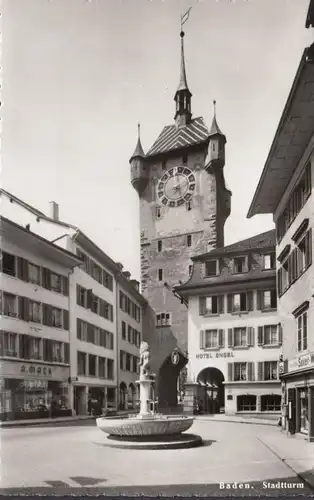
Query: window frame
[{"x": 210, "y": 261}]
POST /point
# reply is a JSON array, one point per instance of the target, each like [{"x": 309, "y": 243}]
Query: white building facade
[
  {"x": 35, "y": 336},
  {"x": 234, "y": 333},
  {"x": 286, "y": 189},
  {"x": 95, "y": 316}
]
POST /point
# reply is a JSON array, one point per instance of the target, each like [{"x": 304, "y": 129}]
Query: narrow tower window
[
  {"x": 189, "y": 240},
  {"x": 160, "y": 274},
  {"x": 158, "y": 213},
  {"x": 190, "y": 269},
  {"x": 159, "y": 245},
  {"x": 185, "y": 159},
  {"x": 189, "y": 206}
]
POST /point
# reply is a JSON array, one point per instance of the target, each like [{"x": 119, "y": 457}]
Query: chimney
[
  {"x": 119, "y": 266},
  {"x": 54, "y": 210},
  {"x": 127, "y": 274},
  {"x": 136, "y": 284}
]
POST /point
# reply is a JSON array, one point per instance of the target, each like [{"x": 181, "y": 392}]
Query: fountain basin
[{"x": 150, "y": 425}]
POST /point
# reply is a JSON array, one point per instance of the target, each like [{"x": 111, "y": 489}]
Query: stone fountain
[{"x": 148, "y": 429}]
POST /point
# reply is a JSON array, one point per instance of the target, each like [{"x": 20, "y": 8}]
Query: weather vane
[{"x": 184, "y": 18}]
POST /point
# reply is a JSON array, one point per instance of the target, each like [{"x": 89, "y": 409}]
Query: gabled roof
[
  {"x": 172, "y": 137},
  {"x": 259, "y": 241},
  {"x": 34, "y": 210}
]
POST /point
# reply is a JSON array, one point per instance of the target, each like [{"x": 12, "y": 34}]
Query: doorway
[{"x": 212, "y": 390}]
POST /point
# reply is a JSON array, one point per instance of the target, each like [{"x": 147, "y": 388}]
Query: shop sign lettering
[
  {"x": 36, "y": 370},
  {"x": 301, "y": 361},
  {"x": 211, "y": 355}
]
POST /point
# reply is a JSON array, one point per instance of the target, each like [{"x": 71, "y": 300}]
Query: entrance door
[{"x": 304, "y": 411}]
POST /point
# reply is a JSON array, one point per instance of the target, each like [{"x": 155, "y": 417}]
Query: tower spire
[
  {"x": 183, "y": 95},
  {"x": 138, "y": 152},
  {"x": 214, "y": 128}
]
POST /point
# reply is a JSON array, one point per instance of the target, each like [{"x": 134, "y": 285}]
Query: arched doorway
[
  {"x": 212, "y": 390},
  {"x": 123, "y": 396},
  {"x": 131, "y": 396},
  {"x": 168, "y": 393}
]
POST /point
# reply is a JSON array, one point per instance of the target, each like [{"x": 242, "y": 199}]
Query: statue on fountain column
[{"x": 145, "y": 359}]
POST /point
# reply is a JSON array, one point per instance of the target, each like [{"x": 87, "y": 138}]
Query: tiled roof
[
  {"x": 172, "y": 137},
  {"x": 262, "y": 240}
]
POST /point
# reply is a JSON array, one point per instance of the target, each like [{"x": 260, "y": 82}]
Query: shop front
[
  {"x": 33, "y": 390},
  {"x": 298, "y": 386}
]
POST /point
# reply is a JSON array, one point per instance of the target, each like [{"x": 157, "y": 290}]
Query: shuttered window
[
  {"x": 241, "y": 337},
  {"x": 212, "y": 339},
  {"x": 269, "y": 335}
]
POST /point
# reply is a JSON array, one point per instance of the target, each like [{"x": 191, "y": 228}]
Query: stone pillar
[
  {"x": 191, "y": 392},
  {"x": 145, "y": 396},
  {"x": 258, "y": 403},
  {"x": 297, "y": 410},
  {"x": 311, "y": 413}
]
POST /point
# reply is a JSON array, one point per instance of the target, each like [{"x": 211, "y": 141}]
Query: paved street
[{"x": 52, "y": 459}]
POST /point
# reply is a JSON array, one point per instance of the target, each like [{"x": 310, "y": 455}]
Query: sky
[{"x": 78, "y": 75}]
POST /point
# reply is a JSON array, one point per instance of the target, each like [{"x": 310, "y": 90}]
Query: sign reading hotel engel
[{"x": 210, "y": 355}]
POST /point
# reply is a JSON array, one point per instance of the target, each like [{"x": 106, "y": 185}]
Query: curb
[
  {"x": 9, "y": 425},
  {"x": 250, "y": 422}
]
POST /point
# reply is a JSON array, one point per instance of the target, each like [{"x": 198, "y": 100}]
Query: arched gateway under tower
[
  {"x": 211, "y": 390},
  {"x": 184, "y": 204}
]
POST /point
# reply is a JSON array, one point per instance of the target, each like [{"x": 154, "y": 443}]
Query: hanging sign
[{"x": 175, "y": 357}]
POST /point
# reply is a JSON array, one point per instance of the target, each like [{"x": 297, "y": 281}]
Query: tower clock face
[{"x": 176, "y": 186}]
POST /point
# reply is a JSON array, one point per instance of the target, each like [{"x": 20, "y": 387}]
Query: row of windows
[
  {"x": 95, "y": 366},
  {"x": 266, "y": 370},
  {"x": 32, "y": 273},
  {"x": 93, "y": 334},
  {"x": 267, "y": 335},
  {"x": 128, "y": 306},
  {"x": 239, "y": 265},
  {"x": 295, "y": 264},
  {"x": 159, "y": 211},
  {"x": 269, "y": 402},
  {"x": 37, "y": 312},
  {"x": 86, "y": 298},
  {"x": 33, "y": 348},
  {"x": 129, "y": 363},
  {"x": 130, "y": 334},
  {"x": 296, "y": 201},
  {"x": 237, "y": 302},
  {"x": 163, "y": 319},
  {"x": 95, "y": 271}
]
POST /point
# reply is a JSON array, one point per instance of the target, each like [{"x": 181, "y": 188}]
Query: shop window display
[{"x": 304, "y": 416}]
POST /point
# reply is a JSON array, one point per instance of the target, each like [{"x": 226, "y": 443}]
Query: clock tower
[{"x": 184, "y": 204}]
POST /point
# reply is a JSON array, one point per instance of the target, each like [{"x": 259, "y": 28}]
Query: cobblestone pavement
[{"x": 60, "y": 460}]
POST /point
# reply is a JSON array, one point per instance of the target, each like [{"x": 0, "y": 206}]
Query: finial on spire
[
  {"x": 138, "y": 130},
  {"x": 214, "y": 103}
]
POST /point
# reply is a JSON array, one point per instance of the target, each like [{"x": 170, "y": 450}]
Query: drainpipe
[{"x": 117, "y": 343}]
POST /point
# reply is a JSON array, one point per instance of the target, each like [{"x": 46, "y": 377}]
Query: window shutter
[
  {"x": 111, "y": 313},
  {"x": 249, "y": 298},
  {"x": 280, "y": 334},
  {"x": 65, "y": 319},
  {"x": 221, "y": 305},
  {"x": 48, "y": 314},
  {"x": 309, "y": 260},
  {"x": 89, "y": 298},
  {"x": 250, "y": 336},
  {"x": 221, "y": 338},
  {"x": 23, "y": 305},
  {"x": 230, "y": 372},
  {"x": 246, "y": 264},
  {"x": 202, "y": 303},
  {"x": 250, "y": 371},
  {"x": 65, "y": 285},
  {"x": 260, "y": 335},
  {"x": 78, "y": 294},
  {"x": 202, "y": 339},
  {"x": 260, "y": 370},
  {"x": 67, "y": 353},
  {"x": 229, "y": 302},
  {"x": 45, "y": 314},
  {"x": 22, "y": 269},
  {"x": 259, "y": 300},
  {"x": 279, "y": 287},
  {"x": 21, "y": 346},
  {"x": 230, "y": 337}
]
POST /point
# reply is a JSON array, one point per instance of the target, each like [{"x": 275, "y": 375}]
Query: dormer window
[
  {"x": 211, "y": 268},
  {"x": 270, "y": 261},
  {"x": 240, "y": 265}
]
